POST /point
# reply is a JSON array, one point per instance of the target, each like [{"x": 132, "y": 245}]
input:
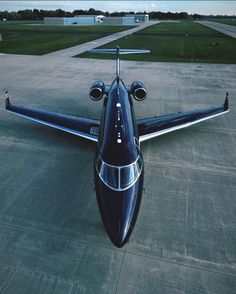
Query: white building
[
  {"x": 78, "y": 19},
  {"x": 97, "y": 18},
  {"x": 129, "y": 19},
  {"x": 139, "y": 17},
  {"x": 119, "y": 20}
]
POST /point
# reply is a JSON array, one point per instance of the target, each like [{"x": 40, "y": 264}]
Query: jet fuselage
[{"x": 118, "y": 167}]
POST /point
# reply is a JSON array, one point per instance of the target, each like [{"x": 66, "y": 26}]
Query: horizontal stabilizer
[
  {"x": 114, "y": 51},
  {"x": 117, "y": 52}
]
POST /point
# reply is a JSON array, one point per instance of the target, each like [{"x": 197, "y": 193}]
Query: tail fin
[{"x": 118, "y": 52}]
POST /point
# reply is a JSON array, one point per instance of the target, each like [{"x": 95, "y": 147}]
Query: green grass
[
  {"x": 41, "y": 43},
  {"x": 102, "y": 29},
  {"x": 208, "y": 46},
  {"x": 231, "y": 22},
  {"x": 40, "y": 39},
  {"x": 178, "y": 27},
  {"x": 20, "y": 22}
]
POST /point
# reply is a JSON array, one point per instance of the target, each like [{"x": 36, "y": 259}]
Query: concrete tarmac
[
  {"x": 79, "y": 49},
  {"x": 51, "y": 236},
  {"x": 220, "y": 27}
]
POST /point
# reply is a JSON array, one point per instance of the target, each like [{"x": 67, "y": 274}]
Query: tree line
[{"x": 39, "y": 14}]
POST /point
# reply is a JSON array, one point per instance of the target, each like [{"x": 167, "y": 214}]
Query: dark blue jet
[{"x": 118, "y": 166}]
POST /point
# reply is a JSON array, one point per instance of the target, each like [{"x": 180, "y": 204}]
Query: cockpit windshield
[
  {"x": 119, "y": 177},
  {"x": 110, "y": 175}
]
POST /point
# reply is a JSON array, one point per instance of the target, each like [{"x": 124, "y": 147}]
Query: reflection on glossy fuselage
[{"x": 118, "y": 166}]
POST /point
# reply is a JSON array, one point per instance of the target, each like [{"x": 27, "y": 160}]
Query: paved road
[
  {"x": 75, "y": 50},
  {"x": 220, "y": 27},
  {"x": 52, "y": 240}
]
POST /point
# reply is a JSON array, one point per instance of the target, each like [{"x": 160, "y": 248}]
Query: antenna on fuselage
[{"x": 118, "y": 52}]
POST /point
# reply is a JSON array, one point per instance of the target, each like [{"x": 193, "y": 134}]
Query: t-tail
[{"x": 117, "y": 52}]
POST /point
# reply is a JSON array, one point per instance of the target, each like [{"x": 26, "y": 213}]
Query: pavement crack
[
  {"x": 118, "y": 280},
  {"x": 183, "y": 264}
]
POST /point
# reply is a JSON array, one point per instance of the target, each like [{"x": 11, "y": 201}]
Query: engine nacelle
[
  {"x": 96, "y": 91},
  {"x": 138, "y": 91}
]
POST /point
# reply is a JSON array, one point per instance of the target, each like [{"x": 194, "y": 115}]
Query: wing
[
  {"x": 159, "y": 125},
  {"x": 82, "y": 127}
]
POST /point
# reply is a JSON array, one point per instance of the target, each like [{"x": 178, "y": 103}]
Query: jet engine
[
  {"x": 96, "y": 91},
  {"x": 138, "y": 91}
]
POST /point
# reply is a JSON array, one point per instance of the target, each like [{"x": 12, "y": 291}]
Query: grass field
[
  {"x": 34, "y": 39},
  {"x": 183, "y": 41},
  {"x": 177, "y": 27},
  {"x": 231, "y": 22},
  {"x": 101, "y": 29},
  {"x": 41, "y": 43}
]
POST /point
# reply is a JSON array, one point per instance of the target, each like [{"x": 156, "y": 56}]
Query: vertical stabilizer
[{"x": 117, "y": 62}]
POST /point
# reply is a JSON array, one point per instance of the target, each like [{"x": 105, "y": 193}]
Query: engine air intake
[
  {"x": 96, "y": 91},
  {"x": 138, "y": 91}
]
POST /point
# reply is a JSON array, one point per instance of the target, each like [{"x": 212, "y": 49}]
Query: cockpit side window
[
  {"x": 128, "y": 175},
  {"x": 139, "y": 164},
  {"x": 99, "y": 164}
]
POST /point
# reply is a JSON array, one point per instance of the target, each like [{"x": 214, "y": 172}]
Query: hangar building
[
  {"x": 139, "y": 17},
  {"x": 126, "y": 20},
  {"x": 129, "y": 19},
  {"x": 119, "y": 20},
  {"x": 79, "y": 19}
]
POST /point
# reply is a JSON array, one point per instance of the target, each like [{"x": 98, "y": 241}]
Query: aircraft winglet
[
  {"x": 226, "y": 103},
  {"x": 7, "y": 99}
]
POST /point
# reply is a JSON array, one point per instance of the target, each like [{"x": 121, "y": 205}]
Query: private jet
[{"x": 119, "y": 164}]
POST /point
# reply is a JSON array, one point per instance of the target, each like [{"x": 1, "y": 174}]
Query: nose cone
[
  {"x": 118, "y": 224},
  {"x": 119, "y": 209}
]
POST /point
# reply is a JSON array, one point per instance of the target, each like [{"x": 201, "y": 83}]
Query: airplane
[{"x": 118, "y": 164}]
